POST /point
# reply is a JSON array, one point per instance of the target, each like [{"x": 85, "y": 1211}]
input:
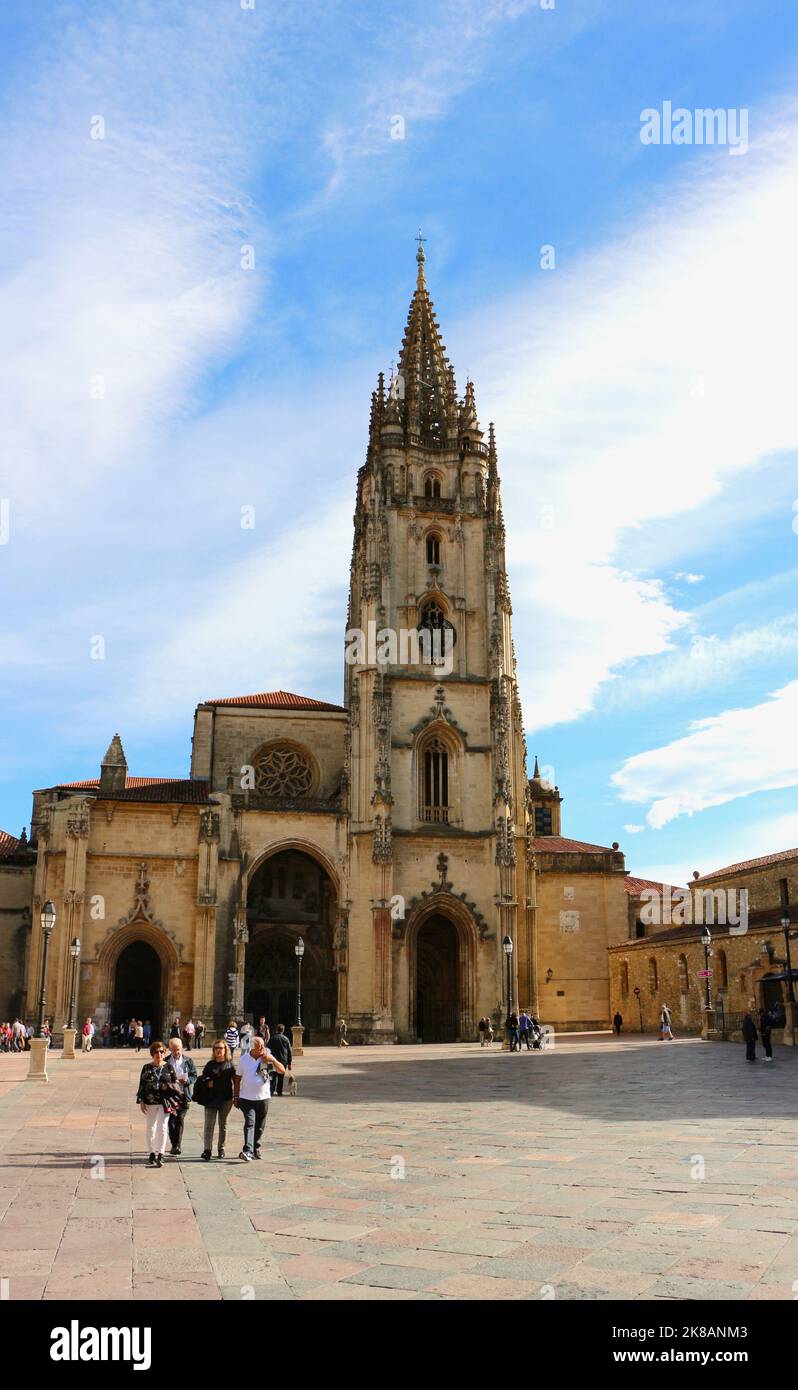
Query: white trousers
[{"x": 156, "y": 1129}]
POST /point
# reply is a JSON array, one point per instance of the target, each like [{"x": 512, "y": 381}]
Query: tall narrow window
[
  {"x": 542, "y": 820},
  {"x": 684, "y": 976},
  {"x": 624, "y": 977},
  {"x": 432, "y": 486},
  {"x": 435, "y": 782},
  {"x": 433, "y": 550},
  {"x": 652, "y": 975}
]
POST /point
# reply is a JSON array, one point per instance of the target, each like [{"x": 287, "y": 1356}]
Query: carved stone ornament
[{"x": 141, "y": 910}]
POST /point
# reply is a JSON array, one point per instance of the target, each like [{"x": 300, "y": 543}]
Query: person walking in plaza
[
  {"x": 156, "y": 1093},
  {"x": 524, "y": 1030},
  {"x": 340, "y": 1033},
  {"x": 231, "y": 1036},
  {"x": 218, "y": 1075},
  {"x": 138, "y": 1035},
  {"x": 749, "y": 1038},
  {"x": 665, "y": 1031},
  {"x": 617, "y": 1024},
  {"x": 262, "y": 1030},
  {"x": 18, "y": 1035},
  {"x": 174, "y": 1031},
  {"x": 186, "y": 1074},
  {"x": 481, "y": 1031},
  {"x": 199, "y": 1032},
  {"x": 147, "y": 1032},
  {"x": 281, "y": 1049},
  {"x": 512, "y": 1032},
  {"x": 252, "y": 1092},
  {"x": 245, "y": 1036},
  {"x": 188, "y": 1034},
  {"x": 765, "y": 1027},
  {"x": 86, "y": 1036}
]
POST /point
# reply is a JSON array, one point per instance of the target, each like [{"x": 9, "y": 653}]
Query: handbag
[{"x": 202, "y": 1093}]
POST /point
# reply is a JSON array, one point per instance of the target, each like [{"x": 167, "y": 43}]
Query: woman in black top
[
  {"x": 157, "y": 1096},
  {"x": 218, "y": 1098}
]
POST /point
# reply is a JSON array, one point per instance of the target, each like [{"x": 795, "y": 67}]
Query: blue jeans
[{"x": 254, "y": 1112}]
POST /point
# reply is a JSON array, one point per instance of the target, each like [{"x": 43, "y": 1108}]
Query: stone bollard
[
  {"x": 297, "y": 1033},
  {"x": 69, "y": 1042},
  {"x": 37, "y": 1070}
]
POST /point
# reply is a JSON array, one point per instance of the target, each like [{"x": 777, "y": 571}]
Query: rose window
[{"x": 283, "y": 774}]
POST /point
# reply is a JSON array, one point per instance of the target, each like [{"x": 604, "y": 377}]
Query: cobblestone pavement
[{"x": 627, "y": 1169}]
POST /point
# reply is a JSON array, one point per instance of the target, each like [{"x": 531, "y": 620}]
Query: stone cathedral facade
[{"x": 398, "y": 834}]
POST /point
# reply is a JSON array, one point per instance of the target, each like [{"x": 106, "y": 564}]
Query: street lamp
[
  {"x": 706, "y": 941},
  {"x": 48, "y": 923},
  {"x": 299, "y": 951},
  {"x": 785, "y": 926},
  {"x": 74, "y": 951},
  {"x": 507, "y": 946}
]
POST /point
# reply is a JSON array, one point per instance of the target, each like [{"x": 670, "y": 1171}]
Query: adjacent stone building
[{"x": 397, "y": 834}]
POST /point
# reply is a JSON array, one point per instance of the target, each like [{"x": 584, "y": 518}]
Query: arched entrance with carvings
[
  {"x": 137, "y": 985},
  {"x": 290, "y": 895},
  {"x": 441, "y": 939}
]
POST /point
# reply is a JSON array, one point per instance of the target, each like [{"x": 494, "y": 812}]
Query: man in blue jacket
[{"x": 186, "y": 1074}]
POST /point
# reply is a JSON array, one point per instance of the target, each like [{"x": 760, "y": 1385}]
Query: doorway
[
  {"x": 137, "y": 986},
  {"x": 437, "y": 982}
]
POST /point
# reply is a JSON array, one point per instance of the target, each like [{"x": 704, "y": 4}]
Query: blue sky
[{"x": 642, "y": 389}]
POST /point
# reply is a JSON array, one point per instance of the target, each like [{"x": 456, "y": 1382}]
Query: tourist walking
[
  {"x": 340, "y": 1033},
  {"x": 147, "y": 1032},
  {"x": 524, "y": 1030},
  {"x": 18, "y": 1035},
  {"x": 617, "y": 1024},
  {"x": 481, "y": 1031},
  {"x": 245, "y": 1036},
  {"x": 281, "y": 1049},
  {"x": 199, "y": 1033},
  {"x": 106, "y": 1034},
  {"x": 156, "y": 1095},
  {"x": 252, "y": 1092},
  {"x": 217, "y": 1093},
  {"x": 749, "y": 1038},
  {"x": 665, "y": 1031},
  {"x": 186, "y": 1074},
  {"x": 765, "y": 1027},
  {"x": 262, "y": 1030},
  {"x": 174, "y": 1031},
  {"x": 138, "y": 1035},
  {"x": 188, "y": 1034},
  {"x": 512, "y": 1032},
  {"x": 86, "y": 1036}
]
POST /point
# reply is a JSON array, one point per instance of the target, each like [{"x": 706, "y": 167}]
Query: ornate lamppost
[
  {"x": 69, "y": 1032},
  {"x": 706, "y": 942},
  {"x": 37, "y": 1070},
  {"x": 507, "y": 947},
  {"x": 297, "y": 1030}
]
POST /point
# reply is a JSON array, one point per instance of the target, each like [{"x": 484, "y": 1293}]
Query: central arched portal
[
  {"x": 137, "y": 985},
  {"x": 291, "y": 895},
  {"x": 437, "y": 981}
]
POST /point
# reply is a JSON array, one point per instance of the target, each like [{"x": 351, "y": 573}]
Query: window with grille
[
  {"x": 543, "y": 820},
  {"x": 283, "y": 773},
  {"x": 432, "y": 486},
  {"x": 435, "y": 782}
]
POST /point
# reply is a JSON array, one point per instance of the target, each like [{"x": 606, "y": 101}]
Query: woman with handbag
[
  {"x": 158, "y": 1098},
  {"x": 214, "y": 1090}
]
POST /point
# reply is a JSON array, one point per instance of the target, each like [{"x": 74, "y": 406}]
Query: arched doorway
[
  {"x": 291, "y": 895},
  {"x": 437, "y": 981},
  {"x": 137, "y": 985}
]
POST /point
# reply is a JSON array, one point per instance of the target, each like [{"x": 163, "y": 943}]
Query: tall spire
[
  {"x": 426, "y": 379},
  {"x": 420, "y": 258}
]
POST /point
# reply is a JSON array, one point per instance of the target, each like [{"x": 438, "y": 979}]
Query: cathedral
[{"x": 399, "y": 835}]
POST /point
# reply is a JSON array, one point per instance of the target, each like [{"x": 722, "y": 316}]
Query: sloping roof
[
  {"x": 91, "y": 782},
  {"x": 190, "y": 790},
  {"x": 636, "y": 886},
  {"x": 760, "y": 863},
  {"x": 557, "y": 844},
  {"x": 277, "y": 699},
  {"x": 9, "y": 844}
]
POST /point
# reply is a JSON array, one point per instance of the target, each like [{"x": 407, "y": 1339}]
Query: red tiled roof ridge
[
  {"x": 561, "y": 844},
  {"x": 636, "y": 885},
  {"x": 749, "y": 864},
  {"x": 7, "y": 842},
  {"x": 130, "y": 782},
  {"x": 277, "y": 699}
]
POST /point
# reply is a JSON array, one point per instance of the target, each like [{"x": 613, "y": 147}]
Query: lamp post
[
  {"x": 68, "y": 1050},
  {"x": 297, "y": 1029},
  {"x": 706, "y": 942},
  {"x": 507, "y": 947},
  {"x": 785, "y": 926},
  {"x": 38, "y": 1046}
]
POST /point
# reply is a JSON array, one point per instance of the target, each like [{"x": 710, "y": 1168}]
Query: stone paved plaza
[{"x": 573, "y": 1174}]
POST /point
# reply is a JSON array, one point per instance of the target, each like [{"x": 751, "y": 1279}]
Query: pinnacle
[{"x": 115, "y": 757}]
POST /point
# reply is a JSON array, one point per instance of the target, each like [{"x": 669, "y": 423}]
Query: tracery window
[
  {"x": 283, "y": 773},
  {"x": 433, "y": 549},
  {"x": 432, "y": 486},
  {"x": 435, "y": 782}
]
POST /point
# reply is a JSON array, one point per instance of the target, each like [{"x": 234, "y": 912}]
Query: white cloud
[
  {"x": 634, "y": 829},
  {"x": 689, "y": 578},
  {"x": 724, "y": 757}
]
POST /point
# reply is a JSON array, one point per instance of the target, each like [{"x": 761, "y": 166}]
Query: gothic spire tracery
[{"x": 426, "y": 385}]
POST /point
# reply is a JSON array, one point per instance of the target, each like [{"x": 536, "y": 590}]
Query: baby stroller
[{"x": 540, "y": 1036}]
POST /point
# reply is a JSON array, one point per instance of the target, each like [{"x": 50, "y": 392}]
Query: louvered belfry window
[{"x": 435, "y": 782}]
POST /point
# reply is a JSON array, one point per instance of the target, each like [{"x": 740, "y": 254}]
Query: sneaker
[
  {"x": 159, "y": 1160},
  {"x": 177, "y": 1152},
  {"x": 257, "y": 1153},
  {"x": 206, "y": 1154},
  {"x": 221, "y": 1153},
  {"x": 247, "y": 1157},
  {"x": 151, "y": 1160}
]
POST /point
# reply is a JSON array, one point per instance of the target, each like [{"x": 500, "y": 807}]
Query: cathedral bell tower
[{"x": 435, "y": 763}]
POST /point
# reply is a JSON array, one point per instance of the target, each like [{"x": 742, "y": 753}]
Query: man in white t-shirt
[{"x": 252, "y": 1091}]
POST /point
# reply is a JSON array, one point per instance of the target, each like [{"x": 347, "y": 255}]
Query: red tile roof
[
  {"x": 760, "y": 863},
  {"x": 8, "y": 844},
  {"x": 277, "y": 699},
  {"x": 190, "y": 790},
  {"x": 557, "y": 844},
  {"x": 636, "y": 886},
  {"x": 129, "y": 782}
]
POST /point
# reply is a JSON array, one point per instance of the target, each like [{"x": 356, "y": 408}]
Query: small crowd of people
[
  {"x": 523, "y": 1028},
  {"x": 169, "y": 1084},
  {"x": 191, "y": 1033},
  {"x": 768, "y": 1020},
  {"x": 16, "y": 1036}
]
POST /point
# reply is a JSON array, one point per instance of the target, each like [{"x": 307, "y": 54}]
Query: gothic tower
[{"x": 440, "y": 851}]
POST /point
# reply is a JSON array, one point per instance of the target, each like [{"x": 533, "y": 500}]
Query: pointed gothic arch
[
  {"x": 455, "y": 950},
  {"x": 139, "y": 931},
  {"x": 437, "y": 773}
]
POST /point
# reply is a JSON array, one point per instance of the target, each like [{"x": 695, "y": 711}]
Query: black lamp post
[
  {"x": 48, "y": 922},
  {"x": 507, "y": 946},
  {"x": 299, "y": 951},
  {"x": 785, "y": 926},
  {"x": 74, "y": 951},
  {"x": 706, "y": 941}
]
